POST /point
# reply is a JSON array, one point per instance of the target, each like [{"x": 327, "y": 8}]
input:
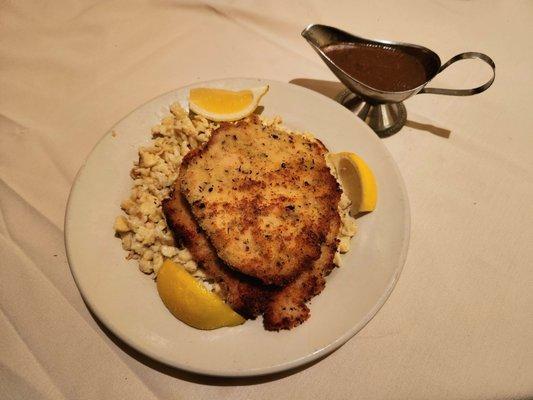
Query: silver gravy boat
[{"x": 384, "y": 111}]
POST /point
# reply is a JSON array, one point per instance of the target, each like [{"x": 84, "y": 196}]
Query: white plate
[{"x": 126, "y": 301}]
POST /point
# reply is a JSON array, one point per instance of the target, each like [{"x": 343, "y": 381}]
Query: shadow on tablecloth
[{"x": 331, "y": 89}]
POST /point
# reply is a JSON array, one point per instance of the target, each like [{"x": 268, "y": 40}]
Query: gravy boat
[{"x": 383, "y": 110}]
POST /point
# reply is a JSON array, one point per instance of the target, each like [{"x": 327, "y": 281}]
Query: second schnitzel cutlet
[
  {"x": 264, "y": 197},
  {"x": 245, "y": 295}
]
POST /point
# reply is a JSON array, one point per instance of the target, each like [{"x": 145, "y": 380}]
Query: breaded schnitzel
[
  {"x": 284, "y": 308},
  {"x": 245, "y": 295},
  {"x": 287, "y": 307},
  {"x": 264, "y": 197}
]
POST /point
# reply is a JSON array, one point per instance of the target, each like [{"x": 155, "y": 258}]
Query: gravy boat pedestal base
[{"x": 385, "y": 119}]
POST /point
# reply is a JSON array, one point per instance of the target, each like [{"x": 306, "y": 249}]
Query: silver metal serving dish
[{"x": 384, "y": 111}]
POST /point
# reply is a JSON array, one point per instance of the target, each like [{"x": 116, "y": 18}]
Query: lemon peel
[
  {"x": 190, "y": 302},
  {"x": 357, "y": 180},
  {"x": 225, "y": 105}
]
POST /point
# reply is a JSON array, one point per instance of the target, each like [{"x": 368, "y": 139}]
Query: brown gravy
[{"x": 380, "y": 67}]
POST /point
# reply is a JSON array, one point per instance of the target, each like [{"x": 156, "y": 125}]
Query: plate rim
[{"x": 286, "y": 366}]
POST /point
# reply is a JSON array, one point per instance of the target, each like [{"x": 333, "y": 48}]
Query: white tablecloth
[{"x": 459, "y": 323}]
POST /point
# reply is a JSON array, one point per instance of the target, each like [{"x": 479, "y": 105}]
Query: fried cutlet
[
  {"x": 287, "y": 307},
  {"x": 245, "y": 295},
  {"x": 264, "y": 197}
]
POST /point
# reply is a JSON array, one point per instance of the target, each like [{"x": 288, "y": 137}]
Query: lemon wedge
[
  {"x": 225, "y": 105},
  {"x": 357, "y": 181},
  {"x": 190, "y": 302}
]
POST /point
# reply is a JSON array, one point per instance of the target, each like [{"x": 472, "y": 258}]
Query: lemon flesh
[
  {"x": 190, "y": 302},
  {"x": 357, "y": 180},
  {"x": 225, "y": 105}
]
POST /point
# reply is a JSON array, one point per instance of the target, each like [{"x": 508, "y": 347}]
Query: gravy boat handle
[{"x": 464, "y": 92}]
